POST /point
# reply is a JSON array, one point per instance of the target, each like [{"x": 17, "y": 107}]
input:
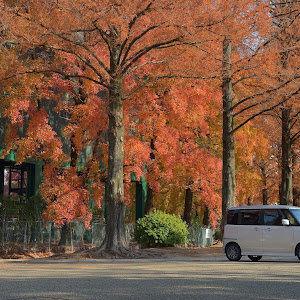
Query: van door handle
[
  {"x": 268, "y": 229},
  {"x": 255, "y": 228}
]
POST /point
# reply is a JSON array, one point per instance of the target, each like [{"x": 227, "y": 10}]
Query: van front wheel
[
  {"x": 233, "y": 252},
  {"x": 255, "y": 257}
]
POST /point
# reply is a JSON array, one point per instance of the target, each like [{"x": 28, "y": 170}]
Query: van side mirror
[{"x": 285, "y": 222}]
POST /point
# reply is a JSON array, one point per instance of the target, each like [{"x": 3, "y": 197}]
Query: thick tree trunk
[
  {"x": 188, "y": 206},
  {"x": 64, "y": 234},
  {"x": 115, "y": 238},
  {"x": 286, "y": 195},
  {"x": 228, "y": 171}
]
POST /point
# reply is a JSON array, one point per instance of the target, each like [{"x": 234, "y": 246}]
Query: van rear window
[{"x": 232, "y": 217}]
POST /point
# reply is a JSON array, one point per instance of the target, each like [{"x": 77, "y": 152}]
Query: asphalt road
[{"x": 158, "y": 280}]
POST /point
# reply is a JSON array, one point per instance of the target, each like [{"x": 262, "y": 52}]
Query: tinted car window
[
  {"x": 232, "y": 217},
  {"x": 272, "y": 217},
  {"x": 249, "y": 217},
  {"x": 290, "y": 217},
  {"x": 296, "y": 214}
]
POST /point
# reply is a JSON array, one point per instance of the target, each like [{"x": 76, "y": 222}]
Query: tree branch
[
  {"x": 251, "y": 106},
  {"x": 124, "y": 61},
  {"x": 67, "y": 76},
  {"x": 263, "y": 111},
  {"x": 145, "y": 50},
  {"x": 61, "y": 36},
  {"x": 132, "y": 22},
  {"x": 265, "y": 92},
  {"x": 295, "y": 137},
  {"x": 87, "y": 63}
]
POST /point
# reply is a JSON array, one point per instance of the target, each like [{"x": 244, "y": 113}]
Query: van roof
[{"x": 264, "y": 206}]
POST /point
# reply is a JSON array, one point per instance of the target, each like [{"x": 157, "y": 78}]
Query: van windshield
[{"x": 296, "y": 214}]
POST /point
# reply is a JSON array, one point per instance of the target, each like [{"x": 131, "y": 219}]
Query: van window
[
  {"x": 296, "y": 214},
  {"x": 232, "y": 217},
  {"x": 249, "y": 217},
  {"x": 290, "y": 217},
  {"x": 272, "y": 217}
]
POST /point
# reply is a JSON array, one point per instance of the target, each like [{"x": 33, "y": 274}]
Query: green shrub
[{"x": 159, "y": 229}]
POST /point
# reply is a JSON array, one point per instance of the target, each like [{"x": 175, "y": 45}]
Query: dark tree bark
[
  {"x": 206, "y": 216},
  {"x": 149, "y": 201},
  {"x": 150, "y": 193},
  {"x": 64, "y": 234},
  {"x": 265, "y": 196},
  {"x": 286, "y": 195},
  {"x": 263, "y": 170},
  {"x": 296, "y": 197},
  {"x": 188, "y": 206},
  {"x": 228, "y": 170},
  {"x": 115, "y": 237},
  {"x": 115, "y": 221}
]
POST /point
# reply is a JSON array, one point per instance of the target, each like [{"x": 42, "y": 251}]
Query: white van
[{"x": 272, "y": 230}]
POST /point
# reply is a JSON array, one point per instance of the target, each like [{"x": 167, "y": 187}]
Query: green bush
[{"x": 159, "y": 229}]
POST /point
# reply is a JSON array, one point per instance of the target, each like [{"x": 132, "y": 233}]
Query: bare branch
[
  {"x": 87, "y": 63},
  {"x": 124, "y": 61},
  {"x": 66, "y": 76},
  {"x": 214, "y": 23},
  {"x": 144, "y": 64},
  {"x": 295, "y": 137},
  {"x": 61, "y": 36},
  {"x": 251, "y": 106},
  {"x": 145, "y": 50},
  {"x": 132, "y": 22},
  {"x": 153, "y": 79},
  {"x": 265, "y": 92},
  {"x": 103, "y": 34},
  {"x": 265, "y": 110},
  {"x": 242, "y": 78}
]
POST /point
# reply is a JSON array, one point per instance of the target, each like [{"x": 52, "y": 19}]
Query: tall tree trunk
[
  {"x": 286, "y": 164},
  {"x": 296, "y": 197},
  {"x": 115, "y": 238},
  {"x": 262, "y": 167},
  {"x": 149, "y": 201},
  {"x": 188, "y": 206},
  {"x": 64, "y": 234},
  {"x": 150, "y": 193},
  {"x": 296, "y": 190},
  {"x": 265, "y": 196},
  {"x": 228, "y": 170},
  {"x": 206, "y": 216}
]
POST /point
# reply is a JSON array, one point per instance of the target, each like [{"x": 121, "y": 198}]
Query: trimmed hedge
[{"x": 160, "y": 229}]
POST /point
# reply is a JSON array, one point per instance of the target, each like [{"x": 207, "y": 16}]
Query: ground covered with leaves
[{"x": 15, "y": 251}]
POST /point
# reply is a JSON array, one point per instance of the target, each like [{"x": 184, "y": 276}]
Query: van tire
[
  {"x": 255, "y": 257},
  {"x": 298, "y": 251},
  {"x": 233, "y": 252}
]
